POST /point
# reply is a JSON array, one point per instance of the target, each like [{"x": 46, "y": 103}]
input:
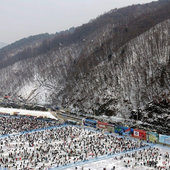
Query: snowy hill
[{"x": 111, "y": 65}]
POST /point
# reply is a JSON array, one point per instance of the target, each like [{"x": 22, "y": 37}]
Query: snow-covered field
[{"x": 11, "y": 111}]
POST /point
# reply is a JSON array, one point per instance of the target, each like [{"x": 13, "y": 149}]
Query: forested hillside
[{"x": 112, "y": 65}]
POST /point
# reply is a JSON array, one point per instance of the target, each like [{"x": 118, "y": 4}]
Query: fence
[
  {"x": 136, "y": 133},
  {"x": 164, "y": 139},
  {"x": 153, "y": 137}
]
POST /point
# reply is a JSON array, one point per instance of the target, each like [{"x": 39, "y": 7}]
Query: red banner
[
  {"x": 102, "y": 125},
  {"x": 140, "y": 134}
]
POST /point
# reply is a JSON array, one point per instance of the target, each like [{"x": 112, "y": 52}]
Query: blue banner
[
  {"x": 164, "y": 139},
  {"x": 90, "y": 122},
  {"x": 123, "y": 130}
]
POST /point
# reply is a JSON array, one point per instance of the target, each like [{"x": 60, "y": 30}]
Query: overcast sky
[{"x": 22, "y": 18}]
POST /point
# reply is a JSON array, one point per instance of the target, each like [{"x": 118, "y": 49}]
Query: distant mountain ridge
[{"x": 2, "y": 44}]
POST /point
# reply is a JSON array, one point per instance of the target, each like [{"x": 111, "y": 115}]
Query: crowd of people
[
  {"x": 64, "y": 145},
  {"x": 59, "y": 147},
  {"x": 151, "y": 158},
  {"x": 15, "y": 124}
]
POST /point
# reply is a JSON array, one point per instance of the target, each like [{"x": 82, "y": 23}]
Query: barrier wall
[
  {"x": 140, "y": 134},
  {"x": 102, "y": 125},
  {"x": 119, "y": 130},
  {"x": 90, "y": 122},
  {"x": 152, "y": 137},
  {"x": 111, "y": 128},
  {"x": 164, "y": 139},
  {"x": 123, "y": 130}
]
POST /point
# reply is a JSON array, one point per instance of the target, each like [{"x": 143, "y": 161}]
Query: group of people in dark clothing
[
  {"x": 59, "y": 146},
  {"x": 15, "y": 124}
]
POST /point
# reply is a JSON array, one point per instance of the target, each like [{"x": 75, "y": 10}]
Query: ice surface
[{"x": 27, "y": 112}]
